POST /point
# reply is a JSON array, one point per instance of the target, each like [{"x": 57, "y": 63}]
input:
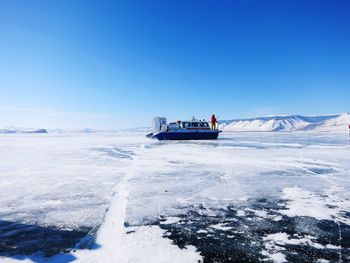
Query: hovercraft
[{"x": 182, "y": 130}]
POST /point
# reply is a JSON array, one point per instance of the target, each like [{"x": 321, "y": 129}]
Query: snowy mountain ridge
[{"x": 326, "y": 123}]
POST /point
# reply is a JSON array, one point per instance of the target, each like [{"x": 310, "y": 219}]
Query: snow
[
  {"x": 241, "y": 213},
  {"x": 275, "y": 257},
  {"x": 259, "y": 213},
  {"x": 122, "y": 184},
  {"x": 274, "y": 244},
  {"x": 171, "y": 220},
  {"x": 220, "y": 227},
  {"x": 284, "y": 238},
  {"x": 327, "y": 206}
]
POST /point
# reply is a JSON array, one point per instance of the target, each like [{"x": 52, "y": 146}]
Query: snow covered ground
[{"x": 273, "y": 197}]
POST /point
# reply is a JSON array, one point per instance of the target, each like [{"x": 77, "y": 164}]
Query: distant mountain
[
  {"x": 36, "y": 131},
  {"x": 7, "y": 131},
  {"x": 23, "y": 131},
  {"x": 327, "y": 123},
  {"x": 85, "y": 130}
]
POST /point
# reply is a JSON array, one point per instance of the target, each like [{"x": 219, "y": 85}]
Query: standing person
[{"x": 213, "y": 122}]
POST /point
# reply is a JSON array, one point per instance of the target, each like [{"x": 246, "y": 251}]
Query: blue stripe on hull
[{"x": 212, "y": 135}]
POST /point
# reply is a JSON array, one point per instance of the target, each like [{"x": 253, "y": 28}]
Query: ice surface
[
  {"x": 252, "y": 196},
  {"x": 60, "y": 180}
]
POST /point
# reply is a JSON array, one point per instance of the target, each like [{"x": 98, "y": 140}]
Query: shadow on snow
[{"x": 41, "y": 243}]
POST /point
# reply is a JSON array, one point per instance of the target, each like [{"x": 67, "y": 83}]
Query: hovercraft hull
[{"x": 187, "y": 135}]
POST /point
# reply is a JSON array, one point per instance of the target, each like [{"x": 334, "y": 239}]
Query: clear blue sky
[{"x": 110, "y": 64}]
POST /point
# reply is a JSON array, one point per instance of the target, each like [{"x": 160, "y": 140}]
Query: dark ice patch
[
  {"x": 240, "y": 237},
  {"x": 26, "y": 239}
]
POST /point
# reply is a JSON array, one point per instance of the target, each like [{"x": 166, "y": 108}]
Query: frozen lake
[{"x": 247, "y": 197}]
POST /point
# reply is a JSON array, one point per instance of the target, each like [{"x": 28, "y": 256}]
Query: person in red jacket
[
  {"x": 213, "y": 122},
  {"x": 349, "y": 129}
]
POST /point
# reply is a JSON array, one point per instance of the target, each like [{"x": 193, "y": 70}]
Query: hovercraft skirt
[{"x": 195, "y": 135}]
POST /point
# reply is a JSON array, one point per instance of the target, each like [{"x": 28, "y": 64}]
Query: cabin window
[
  {"x": 204, "y": 124},
  {"x": 174, "y": 126},
  {"x": 194, "y": 124},
  {"x": 186, "y": 124}
]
